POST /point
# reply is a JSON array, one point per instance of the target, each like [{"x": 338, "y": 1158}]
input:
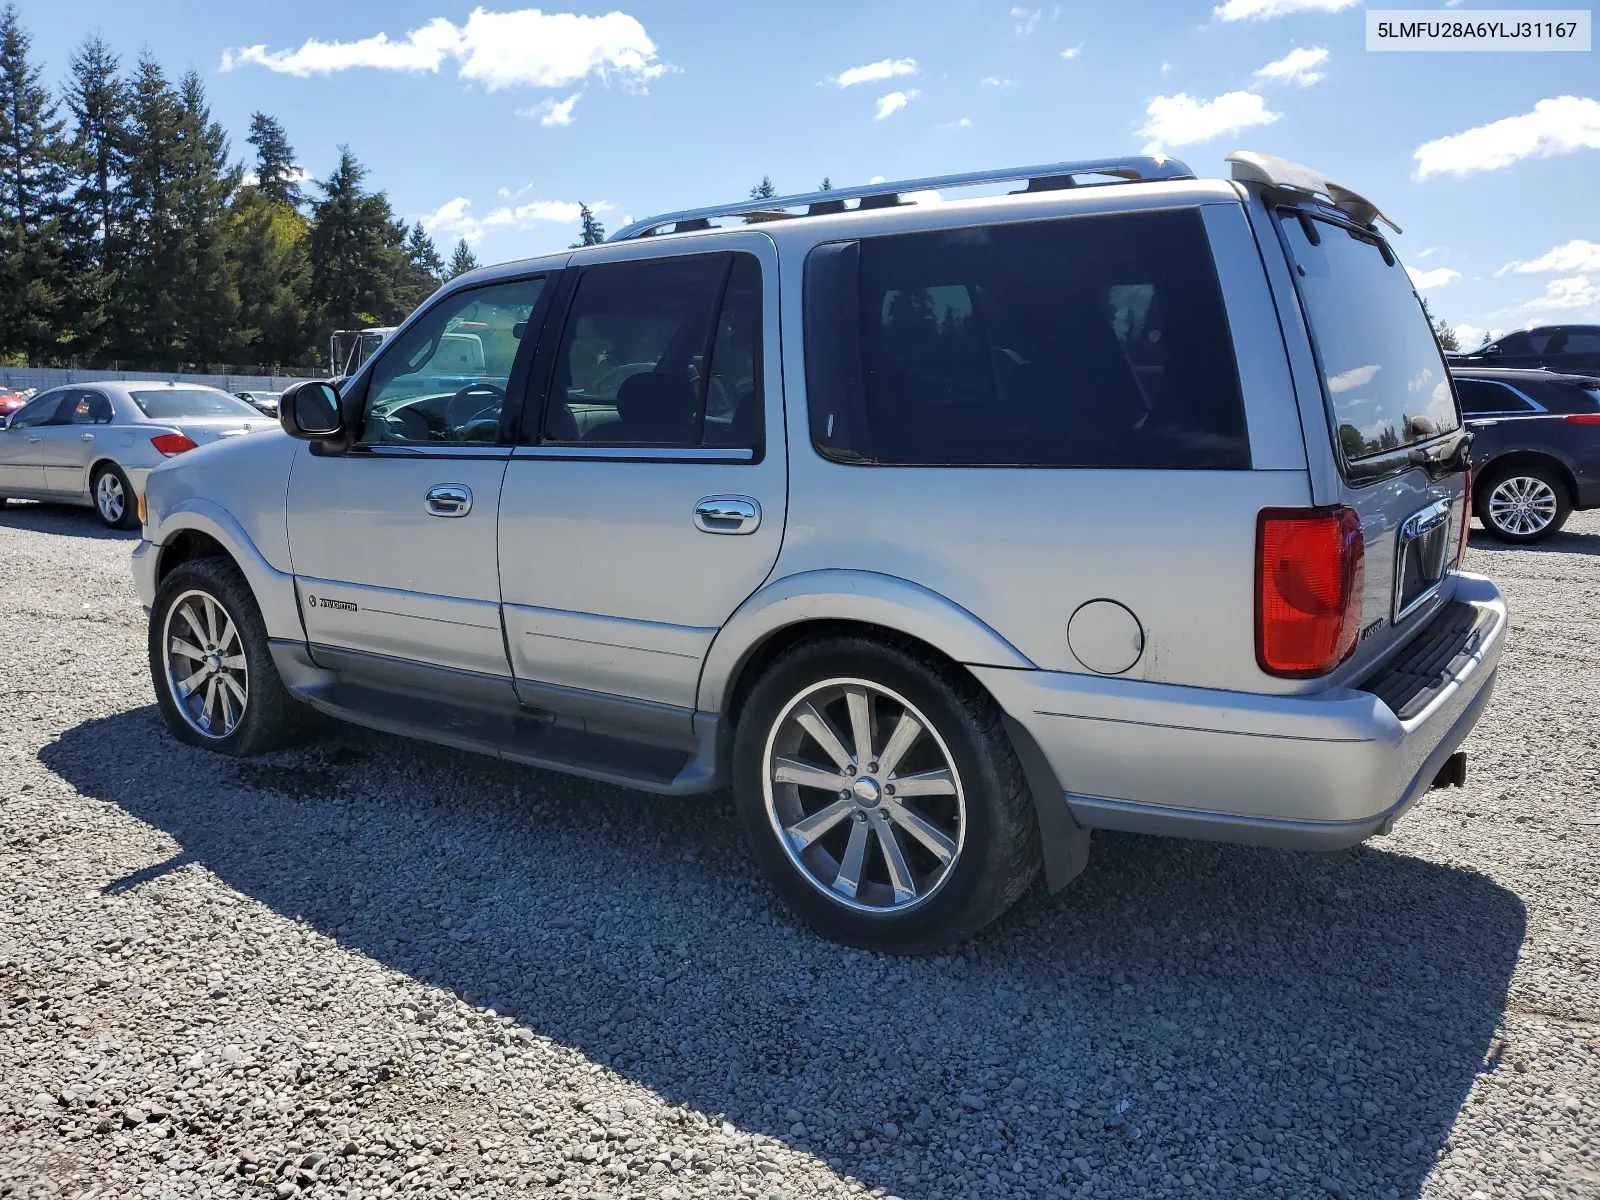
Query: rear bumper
[{"x": 1321, "y": 771}]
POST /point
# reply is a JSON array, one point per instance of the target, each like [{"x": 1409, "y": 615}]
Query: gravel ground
[{"x": 371, "y": 968}]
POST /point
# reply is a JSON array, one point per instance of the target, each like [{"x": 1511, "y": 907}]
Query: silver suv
[{"x": 944, "y": 533}]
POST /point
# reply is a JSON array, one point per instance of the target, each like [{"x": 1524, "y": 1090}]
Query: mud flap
[{"x": 1065, "y": 843}]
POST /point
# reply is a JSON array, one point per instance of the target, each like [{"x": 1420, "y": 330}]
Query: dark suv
[
  {"x": 1573, "y": 348},
  {"x": 1536, "y": 455}
]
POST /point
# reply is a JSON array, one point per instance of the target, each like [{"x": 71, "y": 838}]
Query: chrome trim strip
[
  {"x": 639, "y": 453},
  {"x": 1414, "y": 528}
]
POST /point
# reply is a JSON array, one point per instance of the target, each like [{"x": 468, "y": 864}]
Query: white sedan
[{"x": 93, "y": 444}]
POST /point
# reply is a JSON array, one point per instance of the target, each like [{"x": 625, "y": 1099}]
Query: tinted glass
[
  {"x": 444, "y": 379},
  {"x": 1385, "y": 378},
  {"x": 86, "y": 408},
  {"x": 1563, "y": 397},
  {"x": 1581, "y": 341},
  {"x": 631, "y": 368},
  {"x": 169, "y": 404},
  {"x": 1091, "y": 342},
  {"x": 38, "y": 411},
  {"x": 1479, "y": 396}
]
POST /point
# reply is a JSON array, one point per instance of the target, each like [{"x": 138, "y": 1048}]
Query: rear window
[
  {"x": 1385, "y": 377},
  {"x": 1479, "y": 397},
  {"x": 168, "y": 404},
  {"x": 1085, "y": 342}
]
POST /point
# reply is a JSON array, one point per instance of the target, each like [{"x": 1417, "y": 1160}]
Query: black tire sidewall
[
  {"x": 268, "y": 707},
  {"x": 130, "y": 502},
  {"x": 971, "y": 897},
  {"x": 1495, "y": 478}
]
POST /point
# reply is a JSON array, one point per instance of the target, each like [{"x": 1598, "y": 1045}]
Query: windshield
[
  {"x": 1385, "y": 377},
  {"x": 169, "y": 404}
]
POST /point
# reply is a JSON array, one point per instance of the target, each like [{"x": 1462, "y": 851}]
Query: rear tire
[
  {"x": 114, "y": 501},
  {"x": 1523, "y": 504},
  {"x": 949, "y": 794},
  {"x": 211, "y": 667}
]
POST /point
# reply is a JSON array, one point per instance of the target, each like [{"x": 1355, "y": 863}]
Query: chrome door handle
[
  {"x": 727, "y": 514},
  {"x": 86, "y": 437},
  {"x": 449, "y": 500}
]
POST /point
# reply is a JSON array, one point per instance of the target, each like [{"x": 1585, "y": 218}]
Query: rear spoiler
[{"x": 1268, "y": 169}]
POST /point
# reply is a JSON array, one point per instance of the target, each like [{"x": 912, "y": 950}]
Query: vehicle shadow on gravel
[
  {"x": 65, "y": 520},
  {"x": 1568, "y": 541},
  {"x": 1191, "y": 1017}
]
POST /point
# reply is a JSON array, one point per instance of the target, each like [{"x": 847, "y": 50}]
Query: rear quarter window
[{"x": 1083, "y": 342}]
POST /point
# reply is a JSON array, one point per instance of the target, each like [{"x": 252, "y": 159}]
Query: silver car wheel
[
  {"x": 109, "y": 498},
  {"x": 1522, "y": 505},
  {"x": 206, "y": 668},
  {"x": 875, "y": 820}
]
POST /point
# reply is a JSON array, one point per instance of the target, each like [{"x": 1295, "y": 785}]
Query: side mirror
[
  {"x": 310, "y": 411},
  {"x": 1490, "y": 350}
]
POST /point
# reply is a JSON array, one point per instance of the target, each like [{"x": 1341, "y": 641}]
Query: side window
[
  {"x": 39, "y": 411},
  {"x": 1086, "y": 342},
  {"x": 1582, "y": 341},
  {"x": 86, "y": 408},
  {"x": 662, "y": 353},
  {"x": 1479, "y": 397},
  {"x": 445, "y": 378}
]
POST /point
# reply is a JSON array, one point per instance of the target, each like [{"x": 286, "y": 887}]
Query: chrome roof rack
[
  {"x": 1250, "y": 167},
  {"x": 1050, "y": 177}
]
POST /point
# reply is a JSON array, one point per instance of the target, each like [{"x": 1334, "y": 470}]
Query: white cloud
[
  {"x": 1072, "y": 52},
  {"x": 1557, "y": 126},
  {"x": 1353, "y": 378},
  {"x": 1027, "y": 20},
  {"x": 1166, "y": 68},
  {"x": 296, "y": 174},
  {"x": 962, "y": 123},
  {"x": 893, "y": 103},
  {"x": 455, "y": 219},
  {"x": 1437, "y": 277},
  {"x": 525, "y": 47},
  {"x": 1182, "y": 120},
  {"x": 1298, "y": 66},
  {"x": 877, "y": 72},
  {"x": 996, "y": 81},
  {"x": 1264, "y": 10},
  {"x": 552, "y": 112},
  {"x": 1429, "y": 251},
  {"x": 1577, "y": 291},
  {"x": 1576, "y": 255},
  {"x": 1470, "y": 337}
]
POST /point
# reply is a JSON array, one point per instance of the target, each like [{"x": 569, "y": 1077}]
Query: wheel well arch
[
  {"x": 99, "y": 464},
  {"x": 780, "y": 641},
  {"x": 1514, "y": 459},
  {"x": 187, "y": 545}
]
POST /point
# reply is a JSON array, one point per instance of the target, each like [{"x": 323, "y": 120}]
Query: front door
[
  {"x": 647, "y": 501},
  {"x": 71, "y": 440},
  {"x": 22, "y": 446},
  {"x": 393, "y": 543}
]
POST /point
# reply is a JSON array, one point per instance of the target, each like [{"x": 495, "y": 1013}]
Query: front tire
[
  {"x": 1523, "y": 504},
  {"x": 881, "y": 797},
  {"x": 114, "y": 501},
  {"x": 210, "y": 664}
]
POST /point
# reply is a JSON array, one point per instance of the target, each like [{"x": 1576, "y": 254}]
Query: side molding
[{"x": 841, "y": 595}]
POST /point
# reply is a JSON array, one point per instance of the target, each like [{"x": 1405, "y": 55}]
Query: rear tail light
[
  {"x": 1466, "y": 517},
  {"x": 1584, "y": 418},
  {"x": 172, "y": 443},
  {"x": 1309, "y": 571}
]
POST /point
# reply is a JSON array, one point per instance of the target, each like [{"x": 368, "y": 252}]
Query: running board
[{"x": 527, "y": 736}]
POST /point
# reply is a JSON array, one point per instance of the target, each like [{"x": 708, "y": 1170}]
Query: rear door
[
  {"x": 393, "y": 543},
  {"x": 1393, "y": 424},
  {"x": 647, "y": 501},
  {"x": 22, "y": 445},
  {"x": 72, "y": 440}
]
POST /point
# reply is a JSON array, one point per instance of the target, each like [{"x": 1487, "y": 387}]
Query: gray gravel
[{"x": 374, "y": 968}]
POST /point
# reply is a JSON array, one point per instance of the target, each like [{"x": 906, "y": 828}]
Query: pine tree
[
  {"x": 276, "y": 173},
  {"x": 34, "y": 160},
  {"x": 269, "y": 260},
  {"x": 590, "y": 231},
  {"x": 356, "y": 253},
  {"x": 145, "y": 317},
  {"x": 421, "y": 268},
  {"x": 424, "y": 255},
  {"x": 207, "y": 301},
  {"x": 1446, "y": 335},
  {"x": 827, "y": 184},
  {"x": 763, "y": 190},
  {"x": 98, "y": 102},
  {"x": 461, "y": 261}
]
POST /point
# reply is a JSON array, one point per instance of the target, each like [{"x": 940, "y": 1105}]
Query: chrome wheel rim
[
  {"x": 207, "y": 673},
  {"x": 1522, "y": 505},
  {"x": 110, "y": 498},
  {"x": 873, "y": 818}
]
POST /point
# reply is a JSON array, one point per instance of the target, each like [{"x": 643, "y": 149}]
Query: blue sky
[{"x": 492, "y": 122}]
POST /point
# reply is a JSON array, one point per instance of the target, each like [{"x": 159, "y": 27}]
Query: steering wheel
[{"x": 457, "y": 414}]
